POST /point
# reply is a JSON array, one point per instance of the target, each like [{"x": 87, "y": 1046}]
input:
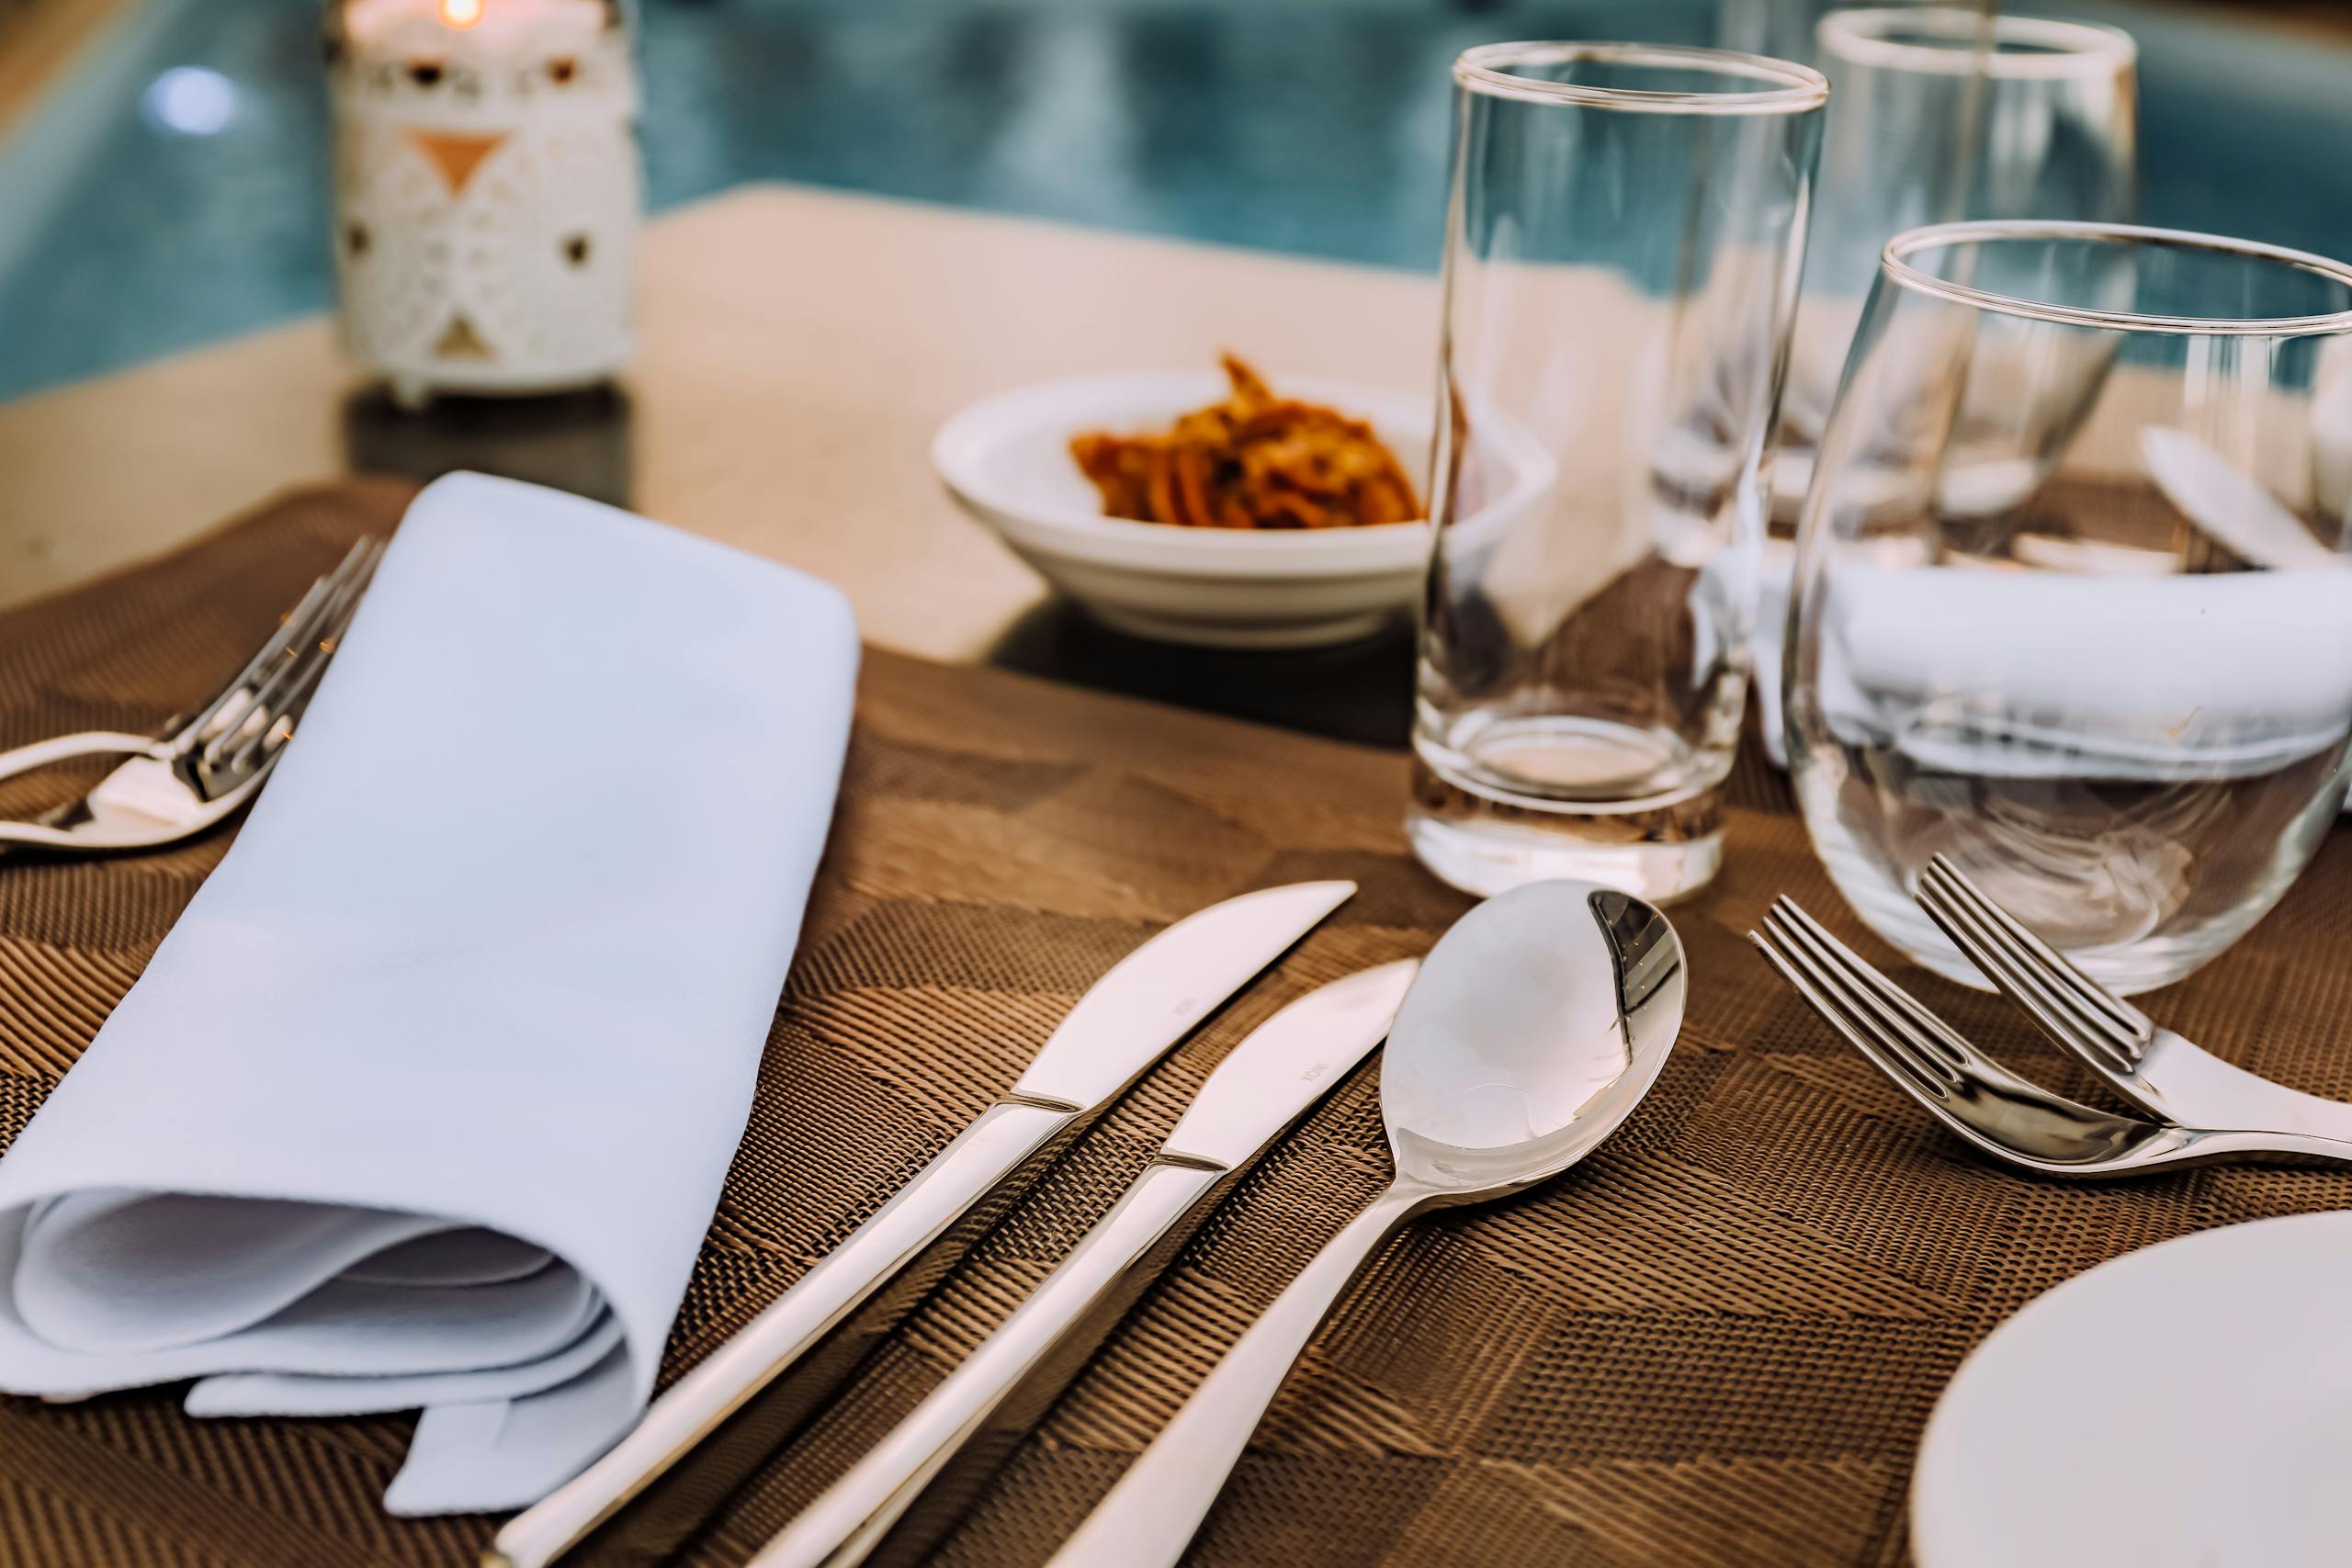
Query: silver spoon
[{"x": 1536, "y": 1025}]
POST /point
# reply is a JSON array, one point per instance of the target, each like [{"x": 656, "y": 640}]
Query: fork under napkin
[{"x": 426, "y": 1100}]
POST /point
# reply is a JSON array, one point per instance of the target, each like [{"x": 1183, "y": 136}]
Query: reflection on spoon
[{"x": 1536, "y": 1025}]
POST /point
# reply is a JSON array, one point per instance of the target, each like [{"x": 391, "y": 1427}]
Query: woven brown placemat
[{"x": 1715, "y": 1341}]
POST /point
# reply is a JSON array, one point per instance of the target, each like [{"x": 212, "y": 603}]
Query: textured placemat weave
[{"x": 1715, "y": 1341}]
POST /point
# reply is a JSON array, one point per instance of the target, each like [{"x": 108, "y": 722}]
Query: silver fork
[
  {"x": 1995, "y": 1109},
  {"x": 2151, "y": 1067},
  {"x": 206, "y": 764}
]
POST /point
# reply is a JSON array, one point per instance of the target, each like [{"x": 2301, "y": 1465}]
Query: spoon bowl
[
  {"x": 1534, "y": 1028},
  {"x": 1537, "y": 1024}
]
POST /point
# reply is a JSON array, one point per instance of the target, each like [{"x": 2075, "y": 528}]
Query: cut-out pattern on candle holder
[{"x": 486, "y": 191}]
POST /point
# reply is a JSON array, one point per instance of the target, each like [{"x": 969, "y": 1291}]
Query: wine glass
[{"x": 2090, "y": 638}]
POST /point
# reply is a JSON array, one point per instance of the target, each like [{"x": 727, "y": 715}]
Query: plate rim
[{"x": 1942, "y": 1551}]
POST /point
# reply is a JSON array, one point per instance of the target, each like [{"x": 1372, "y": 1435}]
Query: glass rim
[
  {"x": 1485, "y": 70},
  {"x": 2070, "y": 49},
  {"x": 1893, "y": 261}
]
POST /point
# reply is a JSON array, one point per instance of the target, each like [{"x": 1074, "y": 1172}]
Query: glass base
[
  {"x": 2143, "y": 963},
  {"x": 1533, "y": 800},
  {"x": 1486, "y": 858},
  {"x": 2126, "y": 968}
]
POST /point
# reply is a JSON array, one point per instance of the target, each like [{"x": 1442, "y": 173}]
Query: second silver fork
[
  {"x": 1994, "y": 1109},
  {"x": 2152, "y": 1067}
]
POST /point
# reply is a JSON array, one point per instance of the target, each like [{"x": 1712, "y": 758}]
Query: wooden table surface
[{"x": 798, "y": 348}]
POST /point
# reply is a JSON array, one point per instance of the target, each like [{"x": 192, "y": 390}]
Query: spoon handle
[{"x": 1147, "y": 1520}]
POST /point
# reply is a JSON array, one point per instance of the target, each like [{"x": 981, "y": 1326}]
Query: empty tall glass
[
  {"x": 1786, "y": 29},
  {"x": 2073, "y": 607},
  {"x": 1622, "y": 253},
  {"x": 1940, "y": 113}
]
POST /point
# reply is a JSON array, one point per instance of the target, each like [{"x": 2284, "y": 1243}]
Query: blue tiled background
[{"x": 1316, "y": 126}]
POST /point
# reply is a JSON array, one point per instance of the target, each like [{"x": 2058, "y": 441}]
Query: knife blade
[
  {"x": 897, "y": 1502},
  {"x": 821, "y": 1327}
]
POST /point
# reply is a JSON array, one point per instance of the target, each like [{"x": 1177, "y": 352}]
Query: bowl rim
[{"x": 1372, "y": 549}]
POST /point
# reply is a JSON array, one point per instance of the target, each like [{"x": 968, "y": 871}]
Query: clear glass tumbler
[
  {"x": 1940, "y": 113},
  {"x": 1787, "y": 30},
  {"x": 2071, "y": 605},
  {"x": 1621, "y": 250}
]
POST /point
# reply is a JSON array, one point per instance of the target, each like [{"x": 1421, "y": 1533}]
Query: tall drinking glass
[
  {"x": 2093, "y": 640},
  {"x": 1788, "y": 29},
  {"x": 1622, "y": 250},
  {"x": 1940, "y": 113}
]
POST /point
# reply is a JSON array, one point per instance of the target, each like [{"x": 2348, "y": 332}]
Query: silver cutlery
[
  {"x": 1991, "y": 1108},
  {"x": 1134, "y": 1015},
  {"x": 202, "y": 767},
  {"x": 891, "y": 1506},
  {"x": 1536, "y": 1025},
  {"x": 2154, "y": 1068}
]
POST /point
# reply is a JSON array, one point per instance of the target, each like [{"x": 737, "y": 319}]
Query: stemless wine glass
[
  {"x": 1940, "y": 113},
  {"x": 1622, "y": 250},
  {"x": 2094, "y": 644}
]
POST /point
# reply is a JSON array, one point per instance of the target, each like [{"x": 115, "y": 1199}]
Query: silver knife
[
  {"x": 1133, "y": 1016},
  {"x": 1268, "y": 1082}
]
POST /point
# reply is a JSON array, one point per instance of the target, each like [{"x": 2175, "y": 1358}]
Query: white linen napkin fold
[
  {"x": 2014, "y": 674},
  {"x": 2035, "y": 674},
  {"x": 426, "y": 1100}
]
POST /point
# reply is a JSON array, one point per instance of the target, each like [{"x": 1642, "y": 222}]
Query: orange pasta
[{"x": 1253, "y": 461}]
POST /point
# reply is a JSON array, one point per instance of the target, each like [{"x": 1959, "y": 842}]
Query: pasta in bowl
[{"x": 1008, "y": 461}]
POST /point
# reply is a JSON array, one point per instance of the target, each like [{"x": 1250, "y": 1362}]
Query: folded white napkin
[
  {"x": 1777, "y": 563},
  {"x": 2217, "y": 673},
  {"x": 426, "y": 1100},
  {"x": 2048, "y": 674}
]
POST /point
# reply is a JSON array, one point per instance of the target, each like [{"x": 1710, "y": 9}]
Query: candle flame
[{"x": 461, "y": 13}]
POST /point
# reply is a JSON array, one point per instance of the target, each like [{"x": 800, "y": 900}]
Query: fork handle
[
  {"x": 40, "y": 836},
  {"x": 2297, "y": 1147},
  {"x": 65, "y": 748},
  {"x": 2183, "y": 1081}
]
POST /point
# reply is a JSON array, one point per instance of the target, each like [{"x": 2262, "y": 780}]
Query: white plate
[
  {"x": 2188, "y": 1405},
  {"x": 1007, "y": 459}
]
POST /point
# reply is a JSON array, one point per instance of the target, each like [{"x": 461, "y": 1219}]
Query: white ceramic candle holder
[{"x": 486, "y": 192}]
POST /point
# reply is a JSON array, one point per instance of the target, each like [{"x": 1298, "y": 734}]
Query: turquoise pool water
[{"x": 177, "y": 195}]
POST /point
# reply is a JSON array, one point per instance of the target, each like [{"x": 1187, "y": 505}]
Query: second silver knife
[
  {"x": 1262, "y": 1086},
  {"x": 1149, "y": 1002}
]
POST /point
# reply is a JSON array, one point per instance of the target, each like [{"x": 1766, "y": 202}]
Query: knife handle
[
  {"x": 1150, "y": 1517},
  {"x": 997, "y": 1143},
  {"x": 853, "y": 1516}
]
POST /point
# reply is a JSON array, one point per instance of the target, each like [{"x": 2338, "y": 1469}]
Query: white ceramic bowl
[{"x": 1007, "y": 459}]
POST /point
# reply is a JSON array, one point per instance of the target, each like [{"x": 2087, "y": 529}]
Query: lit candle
[{"x": 486, "y": 191}]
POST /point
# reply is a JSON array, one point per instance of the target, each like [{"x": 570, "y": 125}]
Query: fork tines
[
  {"x": 293, "y": 634},
  {"x": 2066, "y": 1003},
  {"x": 1884, "y": 1021},
  {"x": 233, "y": 736}
]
